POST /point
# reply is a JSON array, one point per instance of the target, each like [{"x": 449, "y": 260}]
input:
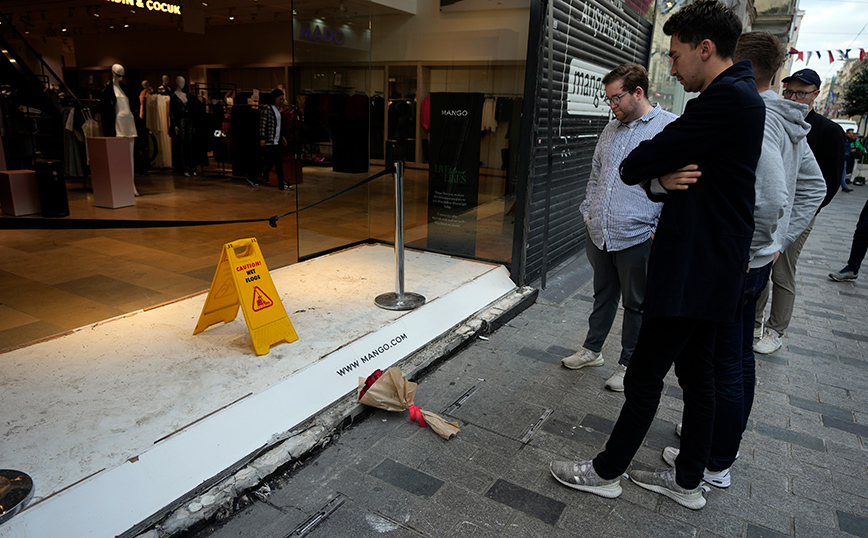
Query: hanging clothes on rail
[{"x": 157, "y": 118}]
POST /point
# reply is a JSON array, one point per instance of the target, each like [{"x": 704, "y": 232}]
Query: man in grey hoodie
[{"x": 789, "y": 190}]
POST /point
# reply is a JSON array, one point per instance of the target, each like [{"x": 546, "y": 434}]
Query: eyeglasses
[
  {"x": 799, "y": 95},
  {"x": 616, "y": 99}
]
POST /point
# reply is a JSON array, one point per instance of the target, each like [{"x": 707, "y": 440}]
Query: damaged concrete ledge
[{"x": 220, "y": 493}]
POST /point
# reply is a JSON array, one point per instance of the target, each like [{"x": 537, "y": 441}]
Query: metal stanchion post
[{"x": 399, "y": 300}]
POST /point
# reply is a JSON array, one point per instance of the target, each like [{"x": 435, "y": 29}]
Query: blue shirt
[{"x": 620, "y": 216}]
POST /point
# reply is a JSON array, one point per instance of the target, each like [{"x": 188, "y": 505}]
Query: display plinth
[
  {"x": 19, "y": 194},
  {"x": 111, "y": 171}
]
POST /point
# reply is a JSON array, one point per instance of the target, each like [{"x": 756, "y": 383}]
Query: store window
[{"x": 440, "y": 91}]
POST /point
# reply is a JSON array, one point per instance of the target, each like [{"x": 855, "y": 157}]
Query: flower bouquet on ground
[{"x": 391, "y": 391}]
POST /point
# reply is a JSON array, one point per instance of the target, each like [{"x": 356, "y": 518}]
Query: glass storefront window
[{"x": 460, "y": 172}]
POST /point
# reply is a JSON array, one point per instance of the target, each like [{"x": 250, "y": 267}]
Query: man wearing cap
[
  {"x": 271, "y": 140},
  {"x": 828, "y": 143}
]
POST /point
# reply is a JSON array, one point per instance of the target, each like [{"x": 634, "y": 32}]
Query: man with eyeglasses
[
  {"x": 620, "y": 220},
  {"x": 828, "y": 143}
]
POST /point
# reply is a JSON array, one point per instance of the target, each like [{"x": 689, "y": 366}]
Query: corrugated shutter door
[{"x": 594, "y": 33}]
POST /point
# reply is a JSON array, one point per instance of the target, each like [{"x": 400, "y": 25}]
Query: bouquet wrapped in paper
[{"x": 391, "y": 391}]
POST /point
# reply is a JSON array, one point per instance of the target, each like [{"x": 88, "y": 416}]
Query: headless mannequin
[{"x": 181, "y": 130}]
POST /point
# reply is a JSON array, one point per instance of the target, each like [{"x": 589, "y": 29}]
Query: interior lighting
[
  {"x": 96, "y": 11},
  {"x": 231, "y": 14}
]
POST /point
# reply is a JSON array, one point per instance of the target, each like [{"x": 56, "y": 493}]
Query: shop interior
[{"x": 349, "y": 113}]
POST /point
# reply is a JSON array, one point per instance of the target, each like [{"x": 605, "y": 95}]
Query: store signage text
[
  {"x": 450, "y": 174},
  {"x": 585, "y": 90},
  {"x": 453, "y": 112},
  {"x": 607, "y": 25},
  {"x": 323, "y": 35},
  {"x": 150, "y": 5}
]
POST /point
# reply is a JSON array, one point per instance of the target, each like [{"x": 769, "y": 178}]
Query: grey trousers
[
  {"x": 618, "y": 276},
  {"x": 783, "y": 287}
]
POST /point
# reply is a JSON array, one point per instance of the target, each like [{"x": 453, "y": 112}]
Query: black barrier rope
[{"x": 7, "y": 223}]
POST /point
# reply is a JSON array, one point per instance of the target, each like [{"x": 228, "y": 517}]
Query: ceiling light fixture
[
  {"x": 96, "y": 11},
  {"x": 231, "y": 14}
]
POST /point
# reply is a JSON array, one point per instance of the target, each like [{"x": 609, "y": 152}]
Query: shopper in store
[
  {"x": 118, "y": 109},
  {"x": 620, "y": 220},
  {"x": 697, "y": 265},
  {"x": 271, "y": 140},
  {"x": 828, "y": 143},
  {"x": 181, "y": 127},
  {"x": 789, "y": 190}
]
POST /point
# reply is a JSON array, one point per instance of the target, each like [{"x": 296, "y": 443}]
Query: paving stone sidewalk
[{"x": 803, "y": 469}]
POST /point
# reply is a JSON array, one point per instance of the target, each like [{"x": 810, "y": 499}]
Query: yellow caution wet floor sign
[{"x": 242, "y": 280}]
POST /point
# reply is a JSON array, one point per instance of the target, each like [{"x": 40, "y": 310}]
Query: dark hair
[
  {"x": 764, "y": 50},
  {"x": 632, "y": 76},
  {"x": 706, "y": 19}
]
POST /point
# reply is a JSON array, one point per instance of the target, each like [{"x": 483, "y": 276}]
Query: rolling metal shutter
[{"x": 578, "y": 41}]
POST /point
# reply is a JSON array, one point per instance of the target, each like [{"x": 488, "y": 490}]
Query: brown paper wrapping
[{"x": 393, "y": 392}]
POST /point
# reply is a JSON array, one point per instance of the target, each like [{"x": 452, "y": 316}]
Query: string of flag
[{"x": 843, "y": 54}]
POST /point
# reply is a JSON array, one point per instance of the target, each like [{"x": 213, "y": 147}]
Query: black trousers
[
  {"x": 689, "y": 344},
  {"x": 272, "y": 157}
]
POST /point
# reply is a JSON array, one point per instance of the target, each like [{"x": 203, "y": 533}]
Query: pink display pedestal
[
  {"x": 18, "y": 192},
  {"x": 111, "y": 171}
]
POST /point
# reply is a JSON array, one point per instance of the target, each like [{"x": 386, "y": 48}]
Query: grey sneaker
[
  {"x": 616, "y": 382},
  {"x": 663, "y": 482},
  {"x": 581, "y": 475},
  {"x": 580, "y": 359},
  {"x": 844, "y": 275},
  {"x": 769, "y": 343},
  {"x": 719, "y": 479}
]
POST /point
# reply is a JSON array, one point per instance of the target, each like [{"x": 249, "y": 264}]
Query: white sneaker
[
  {"x": 769, "y": 343},
  {"x": 720, "y": 479},
  {"x": 678, "y": 429},
  {"x": 583, "y": 357},
  {"x": 758, "y": 332},
  {"x": 616, "y": 382}
]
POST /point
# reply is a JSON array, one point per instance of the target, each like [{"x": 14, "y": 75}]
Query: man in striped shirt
[{"x": 620, "y": 220}]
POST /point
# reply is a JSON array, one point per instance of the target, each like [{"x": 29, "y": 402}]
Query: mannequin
[
  {"x": 181, "y": 130},
  {"x": 164, "y": 89},
  {"x": 118, "y": 109},
  {"x": 146, "y": 91}
]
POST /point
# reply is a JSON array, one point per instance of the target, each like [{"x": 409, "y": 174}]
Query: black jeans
[
  {"x": 689, "y": 344},
  {"x": 272, "y": 157},
  {"x": 735, "y": 374},
  {"x": 860, "y": 242},
  {"x": 618, "y": 277}
]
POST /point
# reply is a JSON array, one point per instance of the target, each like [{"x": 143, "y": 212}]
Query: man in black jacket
[
  {"x": 829, "y": 145},
  {"x": 699, "y": 255}
]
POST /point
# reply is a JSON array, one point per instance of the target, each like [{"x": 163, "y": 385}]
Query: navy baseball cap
[{"x": 808, "y": 76}]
